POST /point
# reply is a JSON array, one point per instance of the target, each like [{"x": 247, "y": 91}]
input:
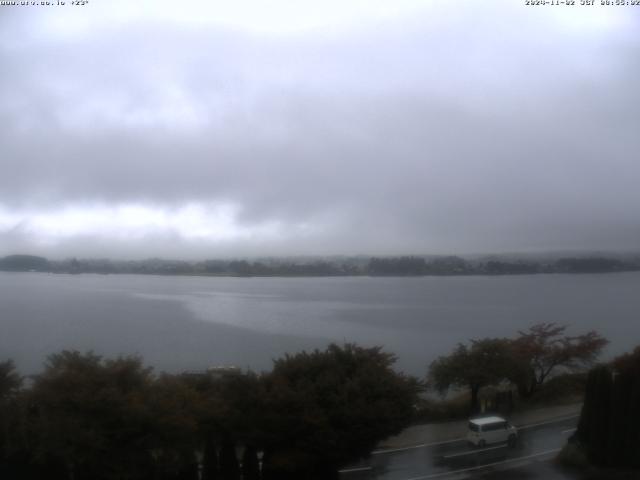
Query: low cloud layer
[{"x": 422, "y": 127}]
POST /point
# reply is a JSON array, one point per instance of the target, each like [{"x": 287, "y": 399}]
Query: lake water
[{"x": 186, "y": 323}]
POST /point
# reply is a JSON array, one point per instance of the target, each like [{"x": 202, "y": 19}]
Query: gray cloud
[{"x": 474, "y": 130}]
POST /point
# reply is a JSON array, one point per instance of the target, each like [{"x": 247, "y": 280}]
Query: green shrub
[
  {"x": 431, "y": 410},
  {"x": 568, "y": 387}
]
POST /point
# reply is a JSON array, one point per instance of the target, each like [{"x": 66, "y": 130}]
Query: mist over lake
[{"x": 185, "y": 323}]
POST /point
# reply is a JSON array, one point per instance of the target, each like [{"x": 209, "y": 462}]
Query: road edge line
[{"x": 481, "y": 467}]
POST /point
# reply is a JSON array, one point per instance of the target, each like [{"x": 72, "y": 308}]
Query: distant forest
[{"x": 328, "y": 266}]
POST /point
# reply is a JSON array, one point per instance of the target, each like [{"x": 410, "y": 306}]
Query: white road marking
[
  {"x": 356, "y": 469},
  {"x": 471, "y": 452},
  {"x": 413, "y": 447},
  {"x": 562, "y": 419},
  {"x": 480, "y": 467},
  {"x": 564, "y": 432}
]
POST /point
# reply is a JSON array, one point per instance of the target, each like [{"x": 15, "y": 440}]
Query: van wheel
[
  {"x": 512, "y": 441},
  {"x": 482, "y": 444}
]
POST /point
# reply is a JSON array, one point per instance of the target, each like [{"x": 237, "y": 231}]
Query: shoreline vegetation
[
  {"x": 338, "y": 266},
  {"x": 85, "y": 417},
  {"x": 88, "y": 417}
]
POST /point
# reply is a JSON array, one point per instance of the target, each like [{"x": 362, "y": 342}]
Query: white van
[{"x": 485, "y": 430}]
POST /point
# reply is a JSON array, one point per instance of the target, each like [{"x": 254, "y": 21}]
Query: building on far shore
[
  {"x": 224, "y": 371},
  {"x": 217, "y": 372}
]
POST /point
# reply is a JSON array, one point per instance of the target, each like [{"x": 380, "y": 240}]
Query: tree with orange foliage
[{"x": 544, "y": 348}]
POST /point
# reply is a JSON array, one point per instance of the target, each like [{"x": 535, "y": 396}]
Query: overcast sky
[{"x": 201, "y": 129}]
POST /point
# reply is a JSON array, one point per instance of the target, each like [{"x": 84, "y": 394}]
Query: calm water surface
[{"x": 179, "y": 323}]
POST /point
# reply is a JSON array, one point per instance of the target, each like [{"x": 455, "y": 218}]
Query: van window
[
  {"x": 492, "y": 427},
  {"x": 473, "y": 427}
]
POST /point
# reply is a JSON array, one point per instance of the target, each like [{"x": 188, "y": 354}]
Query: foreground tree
[
  {"x": 544, "y": 349},
  {"x": 10, "y": 383},
  {"x": 89, "y": 418},
  {"x": 173, "y": 410},
  {"x": 482, "y": 363},
  {"x": 86, "y": 417},
  {"x": 609, "y": 427},
  {"x": 327, "y": 408},
  {"x": 233, "y": 407}
]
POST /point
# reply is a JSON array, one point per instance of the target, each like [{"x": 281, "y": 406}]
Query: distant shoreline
[
  {"x": 231, "y": 275},
  {"x": 400, "y": 266}
]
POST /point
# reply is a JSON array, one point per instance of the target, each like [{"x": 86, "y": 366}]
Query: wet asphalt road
[{"x": 537, "y": 443}]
